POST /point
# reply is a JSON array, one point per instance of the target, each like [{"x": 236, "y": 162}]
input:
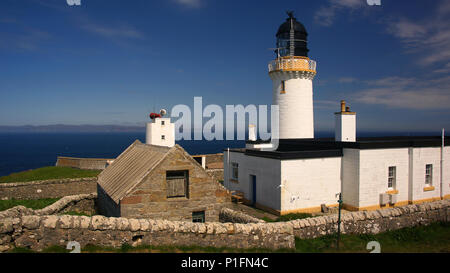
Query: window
[
  {"x": 163, "y": 137},
  {"x": 198, "y": 216},
  {"x": 392, "y": 177},
  {"x": 162, "y": 122},
  {"x": 429, "y": 174},
  {"x": 234, "y": 171},
  {"x": 283, "y": 87},
  {"x": 177, "y": 184}
]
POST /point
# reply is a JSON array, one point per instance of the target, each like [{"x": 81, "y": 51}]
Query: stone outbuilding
[{"x": 149, "y": 181}]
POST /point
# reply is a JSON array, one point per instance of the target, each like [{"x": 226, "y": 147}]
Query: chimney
[{"x": 345, "y": 124}]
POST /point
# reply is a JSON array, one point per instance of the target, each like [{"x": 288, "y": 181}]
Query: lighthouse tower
[{"x": 292, "y": 73}]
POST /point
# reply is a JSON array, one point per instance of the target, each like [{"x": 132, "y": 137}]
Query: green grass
[
  {"x": 288, "y": 217},
  {"x": 423, "y": 239},
  {"x": 32, "y": 204},
  {"x": 47, "y": 173}
]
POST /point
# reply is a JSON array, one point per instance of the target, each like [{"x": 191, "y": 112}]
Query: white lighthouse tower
[
  {"x": 160, "y": 131},
  {"x": 292, "y": 73}
]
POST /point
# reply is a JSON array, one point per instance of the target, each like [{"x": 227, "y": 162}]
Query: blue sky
[{"x": 113, "y": 62}]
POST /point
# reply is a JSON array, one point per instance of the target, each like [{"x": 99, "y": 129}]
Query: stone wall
[
  {"x": 373, "y": 222},
  {"x": 39, "y": 232},
  {"x": 21, "y": 227},
  {"x": 81, "y": 203},
  {"x": 47, "y": 188},
  {"x": 229, "y": 215},
  {"x": 217, "y": 174},
  {"x": 83, "y": 163}
]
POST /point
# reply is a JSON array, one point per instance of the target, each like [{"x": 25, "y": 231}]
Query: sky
[{"x": 115, "y": 61}]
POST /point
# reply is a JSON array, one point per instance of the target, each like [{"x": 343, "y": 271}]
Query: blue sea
[{"x": 24, "y": 151}]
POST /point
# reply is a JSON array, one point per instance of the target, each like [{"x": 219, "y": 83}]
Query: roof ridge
[{"x": 137, "y": 141}]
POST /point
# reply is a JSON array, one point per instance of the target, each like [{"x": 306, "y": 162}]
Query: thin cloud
[
  {"x": 326, "y": 14},
  {"x": 409, "y": 93},
  {"x": 113, "y": 32},
  {"x": 189, "y": 3},
  {"x": 327, "y": 104},
  {"x": 429, "y": 36},
  {"x": 23, "y": 37},
  {"x": 347, "y": 80}
]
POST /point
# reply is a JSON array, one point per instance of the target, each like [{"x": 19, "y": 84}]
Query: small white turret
[
  {"x": 345, "y": 124},
  {"x": 160, "y": 131}
]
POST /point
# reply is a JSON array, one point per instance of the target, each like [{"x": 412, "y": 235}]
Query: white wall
[
  {"x": 308, "y": 183},
  {"x": 155, "y": 130},
  {"x": 421, "y": 157},
  {"x": 373, "y": 174},
  {"x": 345, "y": 127},
  {"x": 350, "y": 177},
  {"x": 267, "y": 172},
  {"x": 446, "y": 175},
  {"x": 296, "y": 105}
]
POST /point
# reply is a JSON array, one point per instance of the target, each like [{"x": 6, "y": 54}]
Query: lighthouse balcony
[{"x": 293, "y": 64}]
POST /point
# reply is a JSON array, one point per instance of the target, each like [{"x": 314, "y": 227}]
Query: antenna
[{"x": 290, "y": 13}]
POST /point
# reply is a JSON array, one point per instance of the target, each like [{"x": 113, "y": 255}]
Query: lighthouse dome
[{"x": 299, "y": 38}]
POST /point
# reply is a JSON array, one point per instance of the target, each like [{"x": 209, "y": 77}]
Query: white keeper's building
[{"x": 305, "y": 172}]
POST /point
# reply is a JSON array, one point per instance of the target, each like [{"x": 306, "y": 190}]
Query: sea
[{"x": 25, "y": 151}]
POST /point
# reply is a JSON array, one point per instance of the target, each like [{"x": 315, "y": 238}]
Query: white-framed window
[
  {"x": 429, "y": 174},
  {"x": 162, "y": 122},
  {"x": 163, "y": 137},
  {"x": 234, "y": 170},
  {"x": 392, "y": 177}
]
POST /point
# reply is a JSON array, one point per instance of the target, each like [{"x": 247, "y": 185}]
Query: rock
[
  {"x": 84, "y": 222},
  {"x": 134, "y": 224},
  {"x": 50, "y": 221},
  {"x": 98, "y": 222},
  {"x": 7, "y": 225},
  {"x": 144, "y": 225},
  {"x": 31, "y": 222},
  {"x": 122, "y": 224},
  {"x": 65, "y": 221},
  {"x": 4, "y": 248}
]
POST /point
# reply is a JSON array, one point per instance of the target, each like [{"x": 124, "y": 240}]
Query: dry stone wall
[
  {"x": 83, "y": 163},
  {"x": 21, "y": 227},
  {"x": 47, "y": 188},
  {"x": 39, "y": 232},
  {"x": 229, "y": 215},
  {"x": 373, "y": 222},
  {"x": 82, "y": 203}
]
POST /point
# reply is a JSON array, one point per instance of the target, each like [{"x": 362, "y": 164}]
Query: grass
[
  {"x": 47, "y": 173},
  {"x": 422, "y": 239},
  {"x": 32, "y": 204},
  {"x": 288, "y": 217}
]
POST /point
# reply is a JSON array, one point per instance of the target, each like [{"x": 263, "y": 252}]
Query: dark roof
[
  {"x": 300, "y": 38},
  {"x": 328, "y": 147},
  {"x": 286, "y": 27}
]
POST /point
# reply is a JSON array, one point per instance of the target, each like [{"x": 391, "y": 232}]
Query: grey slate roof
[{"x": 133, "y": 165}]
